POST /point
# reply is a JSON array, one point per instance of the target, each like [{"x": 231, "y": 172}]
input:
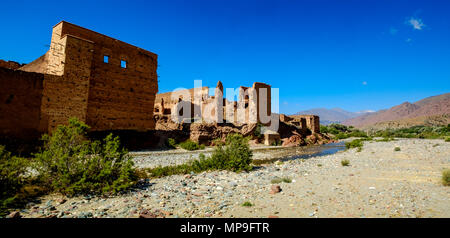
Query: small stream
[{"x": 308, "y": 152}]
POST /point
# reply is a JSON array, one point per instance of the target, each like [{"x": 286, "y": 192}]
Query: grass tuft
[
  {"x": 446, "y": 177},
  {"x": 345, "y": 162}
]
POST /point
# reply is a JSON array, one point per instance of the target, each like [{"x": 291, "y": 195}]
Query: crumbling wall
[
  {"x": 164, "y": 103},
  {"x": 253, "y": 104},
  {"x": 312, "y": 122},
  {"x": 38, "y": 66},
  {"x": 9, "y": 64}
]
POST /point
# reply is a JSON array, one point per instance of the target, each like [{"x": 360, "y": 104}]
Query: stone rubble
[{"x": 378, "y": 183}]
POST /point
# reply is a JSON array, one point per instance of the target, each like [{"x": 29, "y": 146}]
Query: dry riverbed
[{"x": 379, "y": 182}]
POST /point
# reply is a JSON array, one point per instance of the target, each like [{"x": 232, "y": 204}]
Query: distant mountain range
[
  {"x": 429, "y": 111},
  {"x": 334, "y": 115},
  {"x": 421, "y": 112}
]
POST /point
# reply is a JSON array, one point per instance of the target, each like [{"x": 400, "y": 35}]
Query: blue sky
[{"x": 356, "y": 55}]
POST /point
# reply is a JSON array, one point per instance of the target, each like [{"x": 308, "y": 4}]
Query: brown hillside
[{"x": 437, "y": 105}]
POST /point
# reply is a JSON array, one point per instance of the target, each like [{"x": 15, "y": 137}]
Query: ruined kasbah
[{"x": 112, "y": 86}]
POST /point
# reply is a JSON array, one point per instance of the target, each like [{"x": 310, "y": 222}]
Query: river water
[{"x": 303, "y": 152}]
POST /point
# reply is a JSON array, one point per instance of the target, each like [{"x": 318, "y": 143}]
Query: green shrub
[
  {"x": 277, "y": 143},
  {"x": 218, "y": 142},
  {"x": 191, "y": 145},
  {"x": 446, "y": 177},
  {"x": 397, "y": 149},
  {"x": 71, "y": 164},
  {"x": 358, "y": 133},
  {"x": 234, "y": 156},
  {"x": 447, "y": 139},
  {"x": 345, "y": 162},
  {"x": 247, "y": 204},
  {"x": 258, "y": 132},
  {"x": 423, "y": 132},
  {"x": 171, "y": 143},
  {"x": 342, "y": 132},
  {"x": 12, "y": 179},
  {"x": 385, "y": 139},
  {"x": 281, "y": 180},
  {"x": 342, "y": 135},
  {"x": 358, "y": 143}
]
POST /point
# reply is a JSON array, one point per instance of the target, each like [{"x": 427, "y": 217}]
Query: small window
[
  {"x": 105, "y": 59},
  {"x": 123, "y": 64}
]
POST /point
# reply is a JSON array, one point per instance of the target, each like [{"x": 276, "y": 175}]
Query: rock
[
  {"x": 232, "y": 184},
  {"x": 167, "y": 213},
  {"x": 295, "y": 140},
  {"x": 144, "y": 213},
  {"x": 275, "y": 189},
  {"x": 62, "y": 201},
  {"x": 14, "y": 215}
]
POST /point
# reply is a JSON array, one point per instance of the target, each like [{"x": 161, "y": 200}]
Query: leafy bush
[
  {"x": 12, "y": 179},
  {"x": 218, "y": 142},
  {"x": 446, "y": 177},
  {"x": 423, "y": 132},
  {"x": 447, "y": 139},
  {"x": 342, "y": 131},
  {"x": 234, "y": 156},
  {"x": 258, "y": 132},
  {"x": 71, "y": 164},
  {"x": 358, "y": 143},
  {"x": 191, "y": 145},
  {"x": 247, "y": 204},
  {"x": 277, "y": 143},
  {"x": 281, "y": 180},
  {"x": 171, "y": 143},
  {"x": 345, "y": 162},
  {"x": 385, "y": 139},
  {"x": 397, "y": 149}
]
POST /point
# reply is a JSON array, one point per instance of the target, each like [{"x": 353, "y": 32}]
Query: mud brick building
[
  {"x": 249, "y": 98},
  {"x": 311, "y": 122},
  {"x": 109, "y": 84}
]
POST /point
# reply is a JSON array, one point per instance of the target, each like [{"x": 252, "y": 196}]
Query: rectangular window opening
[
  {"x": 105, "y": 59},
  {"x": 123, "y": 64}
]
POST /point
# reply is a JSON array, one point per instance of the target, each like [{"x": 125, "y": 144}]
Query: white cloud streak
[{"x": 416, "y": 23}]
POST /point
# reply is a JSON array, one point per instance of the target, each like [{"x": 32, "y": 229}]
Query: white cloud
[{"x": 416, "y": 23}]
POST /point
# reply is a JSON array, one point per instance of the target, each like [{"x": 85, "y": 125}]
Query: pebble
[{"x": 337, "y": 192}]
